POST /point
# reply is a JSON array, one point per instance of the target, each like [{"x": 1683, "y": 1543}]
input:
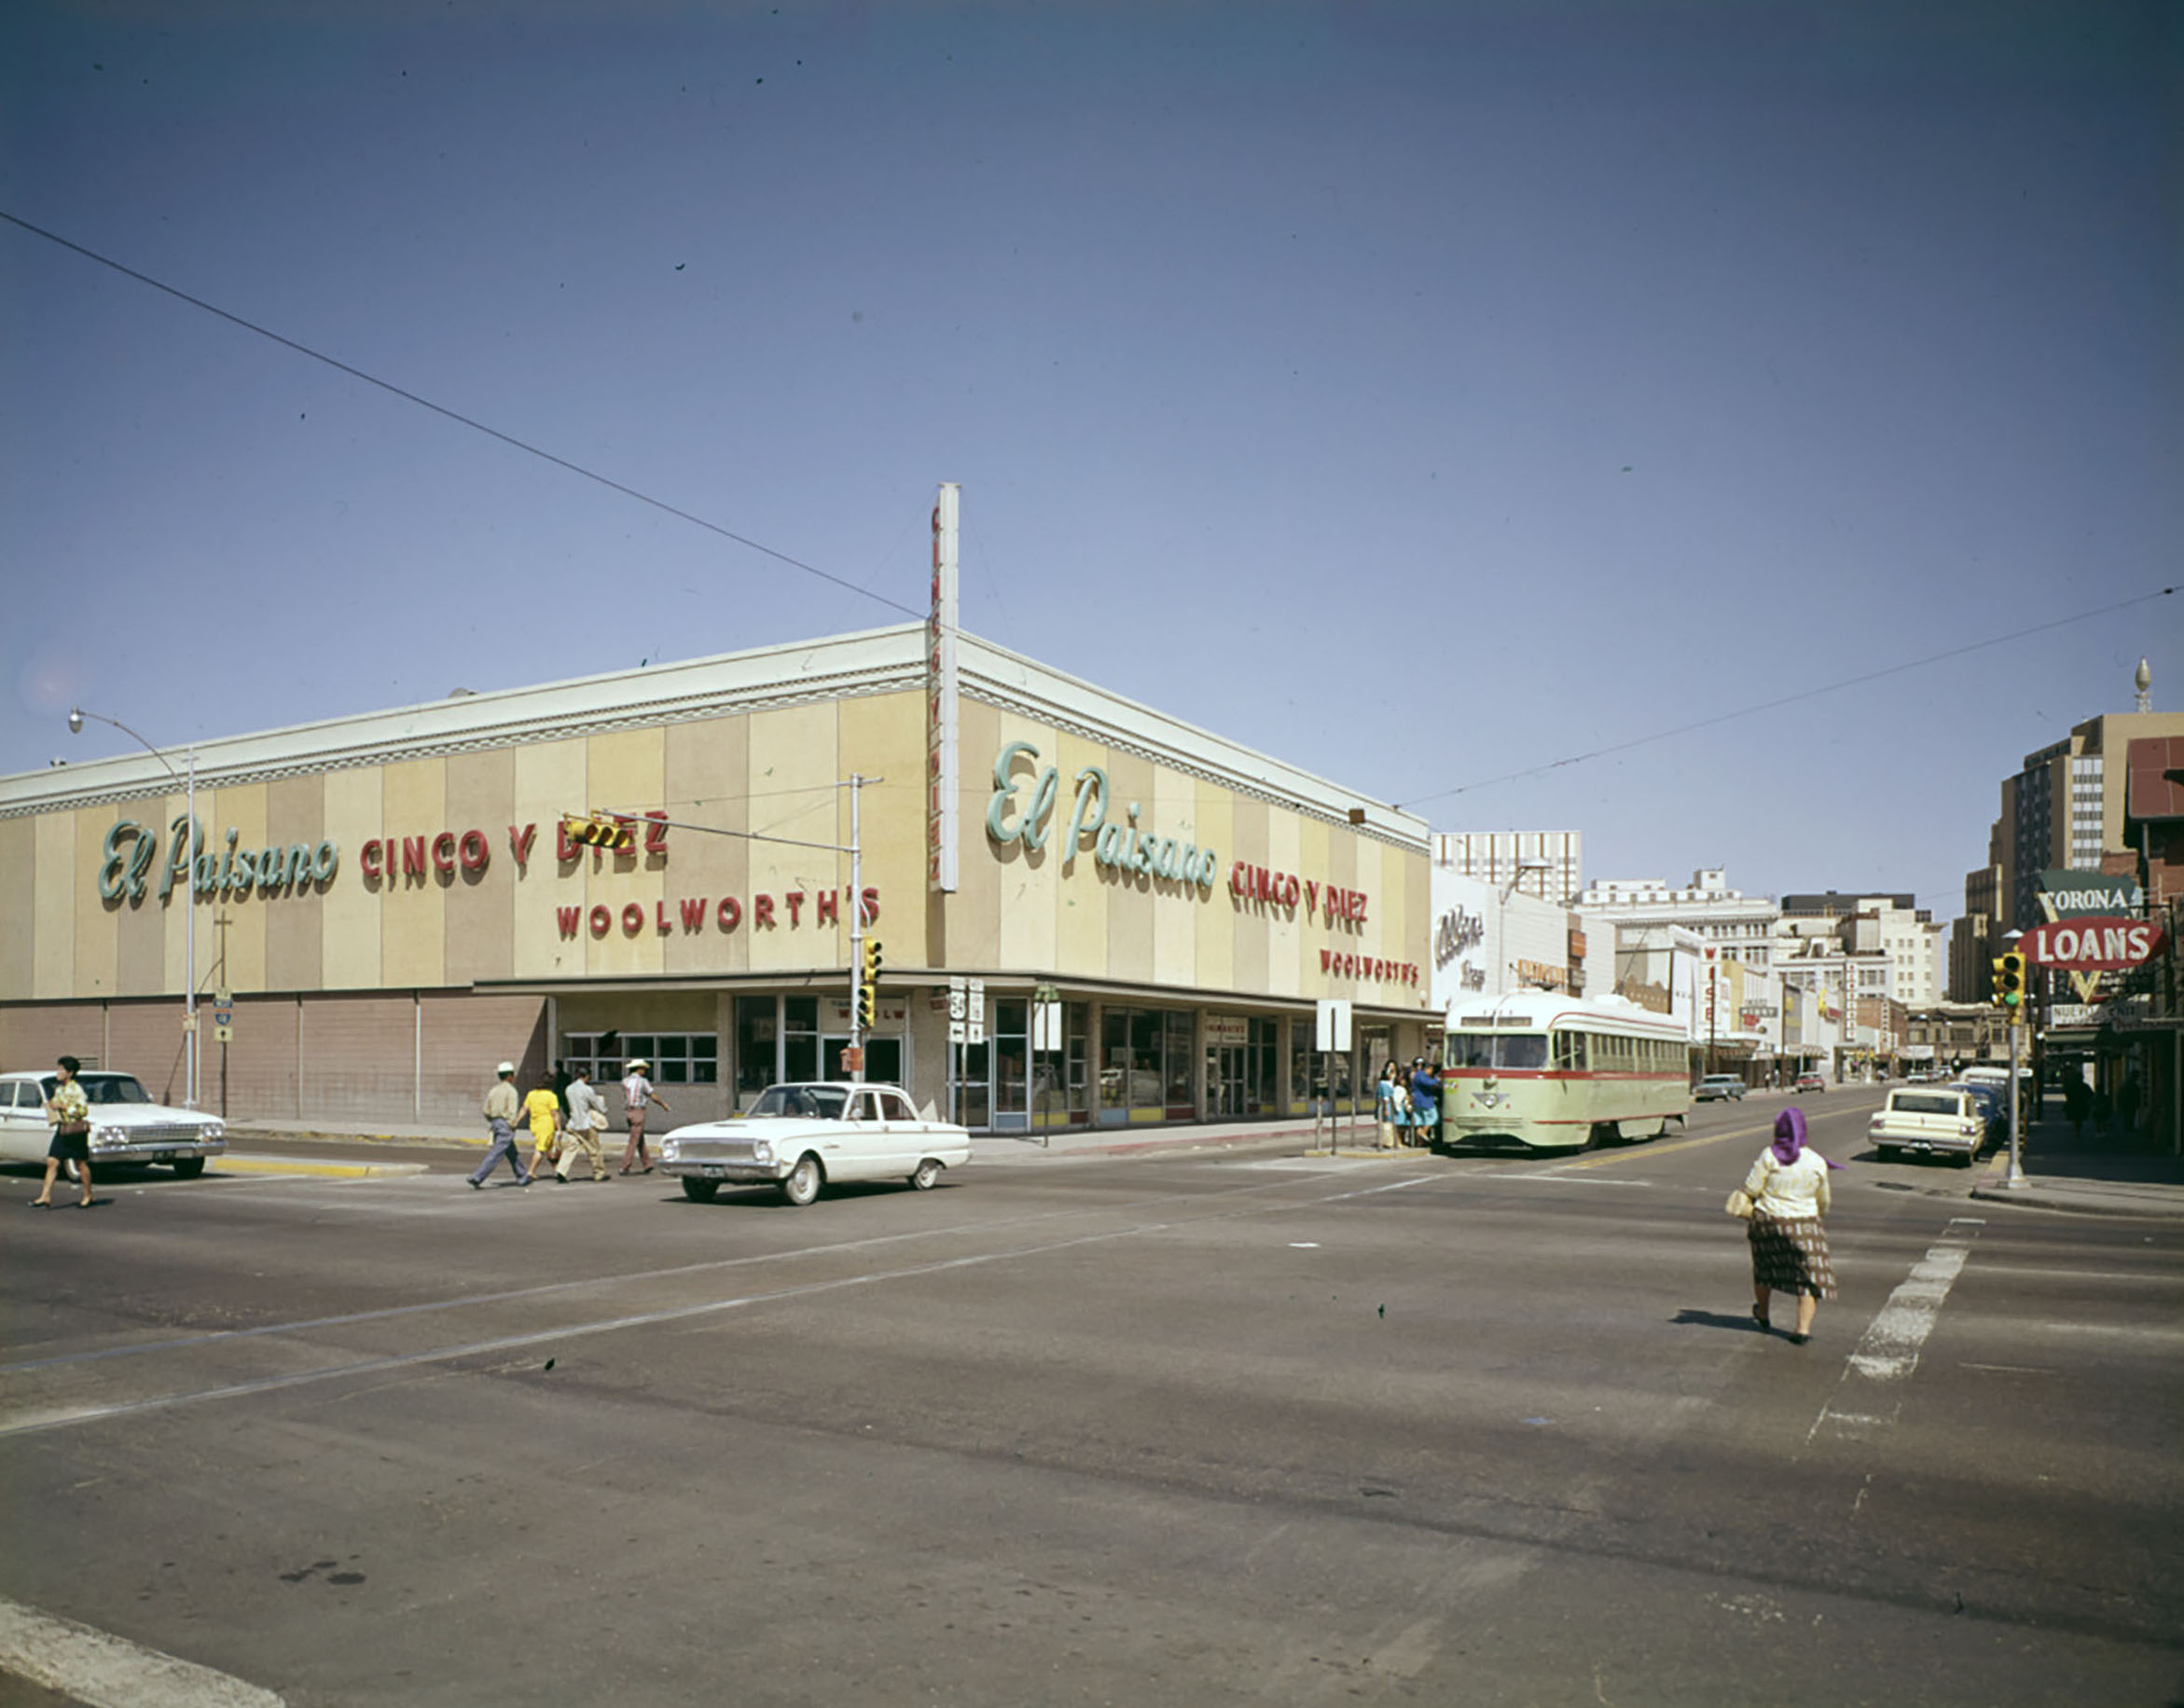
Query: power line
[
  {"x": 454, "y": 415},
  {"x": 1787, "y": 699}
]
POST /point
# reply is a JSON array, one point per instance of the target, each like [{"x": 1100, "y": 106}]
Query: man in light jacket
[
  {"x": 500, "y": 1117},
  {"x": 586, "y": 1119}
]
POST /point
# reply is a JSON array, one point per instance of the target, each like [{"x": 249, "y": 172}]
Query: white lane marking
[
  {"x": 1570, "y": 1180},
  {"x": 594, "y": 1282},
  {"x": 31, "y": 1423},
  {"x": 1887, "y": 1352},
  {"x": 2009, "y": 1369},
  {"x": 106, "y": 1671}
]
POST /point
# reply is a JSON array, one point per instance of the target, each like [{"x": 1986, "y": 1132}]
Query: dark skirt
[
  {"x": 1790, "y": 1256},
  {"x": 70, "y": 1146}
]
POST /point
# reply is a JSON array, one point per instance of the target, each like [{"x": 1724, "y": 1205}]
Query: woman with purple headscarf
[{"x": 1788, "y": 1190}]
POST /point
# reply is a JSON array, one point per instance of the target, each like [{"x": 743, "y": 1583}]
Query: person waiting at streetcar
[{"x": 1425, "y": 1090}]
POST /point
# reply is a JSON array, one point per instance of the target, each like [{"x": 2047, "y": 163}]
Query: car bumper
[
  {"x": 699, "y": 1168},
  {"x": 157, "y": 1151},
  {"x": 1939, "y": 1144}
]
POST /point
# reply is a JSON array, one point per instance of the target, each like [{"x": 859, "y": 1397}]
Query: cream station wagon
[
  {"x": 801, "y": 1136},
  {"x": 127, "y": 1126}
]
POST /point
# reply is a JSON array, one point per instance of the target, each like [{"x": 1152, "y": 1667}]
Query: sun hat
[
  {"x": 505, "y": 1068},
  {"x": 635, "y": 1062}
]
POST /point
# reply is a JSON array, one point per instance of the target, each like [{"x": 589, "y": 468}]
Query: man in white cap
[
  {"x": 636, "y": 1093},
  {"x": 500, "y": 1115}
]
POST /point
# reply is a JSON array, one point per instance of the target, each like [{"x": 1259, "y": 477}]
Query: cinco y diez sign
[{"x": 2096, "y": 945}]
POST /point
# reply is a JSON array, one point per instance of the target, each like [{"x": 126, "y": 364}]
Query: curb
[
  {"x": 271, "y": 1136},
  {"x": 2032, "y": 1197},
  {"x": 333, "y": 1171}
]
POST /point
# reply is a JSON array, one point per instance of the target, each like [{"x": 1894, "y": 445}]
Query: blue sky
[{"x": 1420, "y": 393}]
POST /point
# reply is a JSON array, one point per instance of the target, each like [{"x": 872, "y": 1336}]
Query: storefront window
[
  {"x": 1061, "y": 1079},
  {"x": 1011, "y": 1040},
  {"x": 676, "y": 1058},
  {"x": 1180, "y": 1029},
  {"x": 757, "y": 1032},
  {"x": 974, "y": 1095},
  {"x": 799, "y": 1037},
  {"x": 1314, "y": 1075},
  {"x": 1145, "y": 1071},
  {"x": 1262, "y": 1063}
]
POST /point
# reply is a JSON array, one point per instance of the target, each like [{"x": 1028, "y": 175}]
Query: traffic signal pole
[{"x": 856, "y": 932}]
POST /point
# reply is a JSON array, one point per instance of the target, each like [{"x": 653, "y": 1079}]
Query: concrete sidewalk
[
  {"x": 2087, "y": 1174},
  {"x": 1060, "y": 1143}
]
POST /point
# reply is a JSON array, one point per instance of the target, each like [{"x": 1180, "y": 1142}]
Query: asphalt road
[{"x": 1219, "y": 1428}]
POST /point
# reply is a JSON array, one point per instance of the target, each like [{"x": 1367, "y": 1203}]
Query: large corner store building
[{"x": 390, "y": 903}]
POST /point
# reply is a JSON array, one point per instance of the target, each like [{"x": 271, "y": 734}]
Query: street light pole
[{"x": 192, "y": 1077}]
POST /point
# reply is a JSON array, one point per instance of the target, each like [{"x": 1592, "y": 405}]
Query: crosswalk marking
[{"x": 1887, "y": 1352}]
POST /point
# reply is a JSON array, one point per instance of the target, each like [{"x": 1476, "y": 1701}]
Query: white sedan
[
  {"x": 127, "y": 1126},
  {"x": 800, "y": 1136}
]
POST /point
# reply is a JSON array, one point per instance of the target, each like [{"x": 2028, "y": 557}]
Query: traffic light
[
  {"x": 2009, "y": 976},
  {"x": 1994, "y": 981},
  {"x": 601, "y": 831},
  {"x": 868, "y": 985}
]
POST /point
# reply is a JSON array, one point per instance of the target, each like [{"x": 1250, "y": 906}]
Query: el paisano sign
[{"x": 2097, "y": 945}]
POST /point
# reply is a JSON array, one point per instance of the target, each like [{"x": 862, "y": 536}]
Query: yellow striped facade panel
[{"x": 1111, "y": 867}]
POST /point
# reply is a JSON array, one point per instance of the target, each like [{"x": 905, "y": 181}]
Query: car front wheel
[
  {"x": 802, "y": 1183},
  {"x": 928, "y": 1172},
  {"x": 699, "y": 1192},
  {"x": 188, "y": 1167}
]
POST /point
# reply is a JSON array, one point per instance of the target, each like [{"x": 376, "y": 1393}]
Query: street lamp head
[{"x": 75, "y": 719}]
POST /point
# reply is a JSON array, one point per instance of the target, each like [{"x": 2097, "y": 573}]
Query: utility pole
[{"x": 221, "y": 1009}]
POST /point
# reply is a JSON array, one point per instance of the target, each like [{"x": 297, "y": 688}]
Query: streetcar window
[
  {"x": 1569, "y": 1050},
  {"x": 1469, "y": 1052},
  {"x": 1527, "y": 1051}
]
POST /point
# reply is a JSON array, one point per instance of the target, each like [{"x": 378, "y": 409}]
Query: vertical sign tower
[{"x": 940, "y": 699}]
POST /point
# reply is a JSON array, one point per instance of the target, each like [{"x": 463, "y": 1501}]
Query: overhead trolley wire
[
  {"x": 1787, "y": 699},
  {"x": 455, "y": 415}
]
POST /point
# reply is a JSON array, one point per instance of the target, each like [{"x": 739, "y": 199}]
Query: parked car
[
  {"x": 801, "y": 1136},
  {"x": 1811, "y": 1081},
  {"x": 1934, "y": 1121},
  {"x": 1994, "y": 1102},
  {"x": 1716, "y": 1087},
  {"x": 127, "y": 1126}
]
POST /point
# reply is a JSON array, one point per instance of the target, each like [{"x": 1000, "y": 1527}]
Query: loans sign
[{"x": 2095, "y": 945}]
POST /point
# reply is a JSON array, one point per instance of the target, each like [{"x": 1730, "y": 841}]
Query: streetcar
[{"x": 1554, "y": 1072}]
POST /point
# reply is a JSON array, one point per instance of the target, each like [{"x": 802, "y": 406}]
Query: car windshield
[
  {"x": 808, "y": 1102},
  {"x": 103, "y": 1087}
]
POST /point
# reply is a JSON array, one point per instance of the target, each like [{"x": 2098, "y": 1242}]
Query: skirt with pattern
[{"x": 1790, "y": 1255}]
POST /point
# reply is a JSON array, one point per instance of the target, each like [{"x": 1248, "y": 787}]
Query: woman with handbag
[
  {"x": 70, "y": 1112},
  {"x": 1788, "y": 1187}
]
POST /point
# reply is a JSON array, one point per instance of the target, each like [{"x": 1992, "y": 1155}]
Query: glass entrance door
[{"x": 1225, "y": 1068}]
